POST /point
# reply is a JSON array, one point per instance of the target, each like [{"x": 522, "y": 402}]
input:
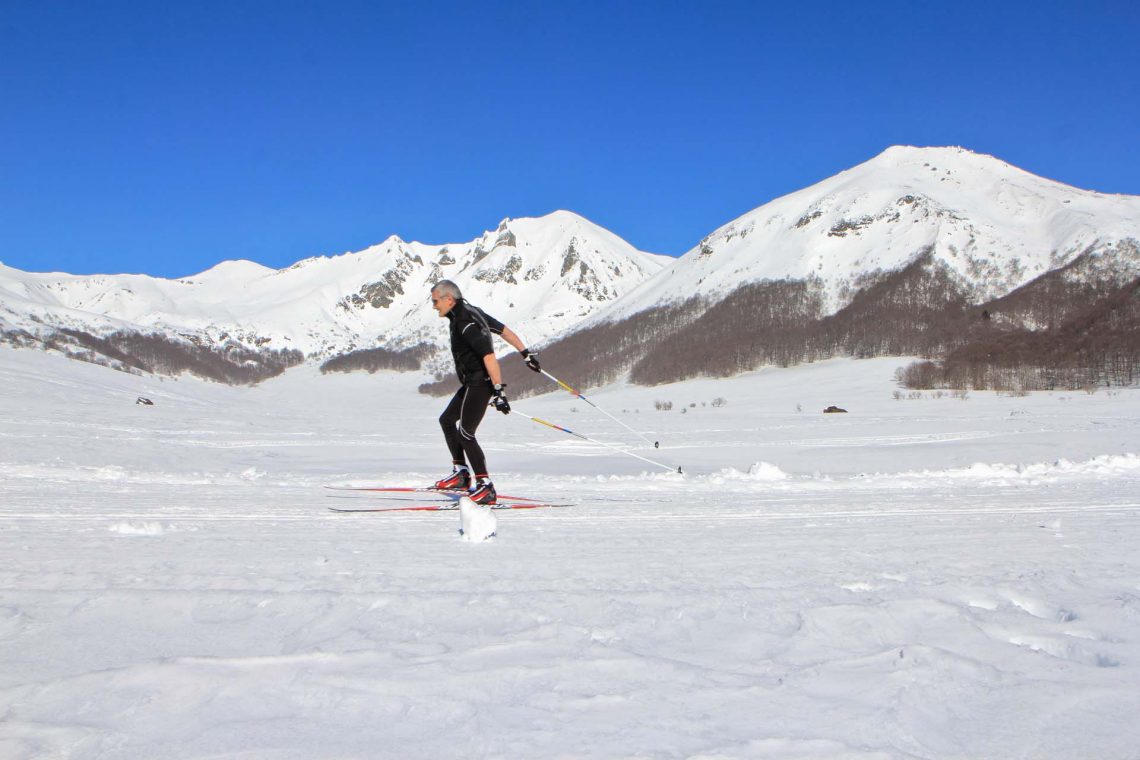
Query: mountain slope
[
  {"x": 915, "y": 252},
  {"x": 540, "y": 275},
  {"x": 992, "y": 226}
]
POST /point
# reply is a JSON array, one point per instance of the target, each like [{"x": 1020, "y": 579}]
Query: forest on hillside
[
  {"x": 1075, "y": 327},
  {"x": 231, "y": 363}
]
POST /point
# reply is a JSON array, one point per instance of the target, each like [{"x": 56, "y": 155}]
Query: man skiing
[{"x": 482, "y": 383}]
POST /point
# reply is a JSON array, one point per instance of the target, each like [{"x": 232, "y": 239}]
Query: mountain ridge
[
  {"x": 916, "y": 252},
  {"x": 922, "y": 234},
  {"x": 325, "y": 305},
  {"x": 994, "y": 225}
]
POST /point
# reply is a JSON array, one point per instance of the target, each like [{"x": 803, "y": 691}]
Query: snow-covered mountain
[
  {"x": 934, "y": 229},
  {"x": 539, "y": 275},
  {"x": 994, "y": 227}
]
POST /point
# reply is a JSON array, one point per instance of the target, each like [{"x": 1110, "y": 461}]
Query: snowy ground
[{"x": 929, "y": 578}]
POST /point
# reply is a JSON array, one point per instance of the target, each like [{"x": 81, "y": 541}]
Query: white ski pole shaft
[
  {"x": 670, "y": 468},
  {"x": 579, "y": 394}
]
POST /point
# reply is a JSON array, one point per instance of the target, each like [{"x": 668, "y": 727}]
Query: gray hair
[{"x": 447, "y": 288}]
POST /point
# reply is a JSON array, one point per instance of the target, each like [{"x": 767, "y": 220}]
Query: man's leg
[
  {"x": 448, "y": 421},
  {"x": 471, "y": 411}
]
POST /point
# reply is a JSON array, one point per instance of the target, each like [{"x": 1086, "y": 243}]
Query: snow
[
  {"x": 479, "y": 522},
  {"x": 919, "y": 578}
]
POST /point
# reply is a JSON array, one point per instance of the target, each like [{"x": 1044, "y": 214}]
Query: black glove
[
  {"x": 499, "y": 400},
  {"x": 531, "y": 359}
]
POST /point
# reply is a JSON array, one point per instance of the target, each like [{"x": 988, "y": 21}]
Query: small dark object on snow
[
  {"x": 144, "y": 400},
  {"x": 834, "y": 410}
]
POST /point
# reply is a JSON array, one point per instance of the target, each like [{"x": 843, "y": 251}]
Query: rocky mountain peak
[{"x": 329, "y": 304}]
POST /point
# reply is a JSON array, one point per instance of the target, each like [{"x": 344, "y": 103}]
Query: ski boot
[
  {"x": 484, "y": 493},
  {"x": 459, "y": 480}
]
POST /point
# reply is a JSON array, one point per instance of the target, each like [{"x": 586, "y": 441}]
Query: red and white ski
[
  {"x": 421, "y": 492},
  {"x": 448, "y": 500},
  {"x": 450, "y": 507}
]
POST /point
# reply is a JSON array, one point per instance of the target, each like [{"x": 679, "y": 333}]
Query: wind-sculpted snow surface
[
  {"x": 930, "y": 578},
  {"x": 1105, "y": 466}
]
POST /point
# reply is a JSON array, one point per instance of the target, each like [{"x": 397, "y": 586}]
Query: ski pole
[
  {"x": 580, "y": 395},
  {"x": 591, "y": 440}
]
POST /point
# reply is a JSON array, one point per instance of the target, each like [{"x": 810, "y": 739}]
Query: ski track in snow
[{"x": 917, "y": 580}]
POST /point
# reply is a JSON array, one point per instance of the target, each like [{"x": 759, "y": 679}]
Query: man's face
[{"x": 442, "y": 303}]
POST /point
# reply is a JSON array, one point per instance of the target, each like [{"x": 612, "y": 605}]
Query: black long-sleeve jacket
[{"x": 471, "y": 330}]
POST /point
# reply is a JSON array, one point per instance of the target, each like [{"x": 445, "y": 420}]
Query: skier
[{"x": 482, "y": 382}]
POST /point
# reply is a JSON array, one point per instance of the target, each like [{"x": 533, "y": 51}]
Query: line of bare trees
[
  {"x": 232, "y": 364},
  {"x": 1099, "y": 346},
  {"x": 373, "y": 360}
]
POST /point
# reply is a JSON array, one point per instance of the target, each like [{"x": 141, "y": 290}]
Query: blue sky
[{"x": 164, "y": 138}]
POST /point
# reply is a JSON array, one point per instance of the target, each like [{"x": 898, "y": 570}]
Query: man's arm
[
  {"x": 530, "y": 357},
  {"x": 510, "y": 337},
  {"x": 493, "y": 371},
  {"x": 499, "y": 398}
]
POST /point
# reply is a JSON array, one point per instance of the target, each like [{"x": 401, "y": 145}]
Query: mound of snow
[
  {"x": 137, "y": 529},
  {"x": 478, "y": 521},
  {"x": 763, "y": 472}
]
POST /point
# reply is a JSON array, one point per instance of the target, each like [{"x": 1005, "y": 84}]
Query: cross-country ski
[
  {"x": 450, "y": 507},
  {"x": 420, "y": 493}
]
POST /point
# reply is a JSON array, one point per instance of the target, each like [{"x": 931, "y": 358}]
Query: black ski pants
[{"x": 460, "y": 420}]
